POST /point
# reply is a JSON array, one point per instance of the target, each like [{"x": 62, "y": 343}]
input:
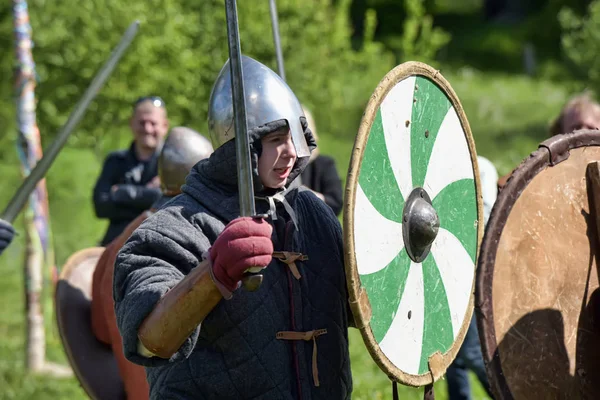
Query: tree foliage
[
  {"x": 406, "y": 27},
  {"x": 420, "y": 40},
  {"x": 177, "y": 54},
  {"x": 581, "y": 42}
]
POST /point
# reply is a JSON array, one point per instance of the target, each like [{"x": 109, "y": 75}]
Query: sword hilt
[{"x": 252, "y": 279}]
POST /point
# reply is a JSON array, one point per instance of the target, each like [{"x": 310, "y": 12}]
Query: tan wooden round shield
[
  {"x": 92, "y": 361},
  {"x": 414, "y": 157},
  {"x": 537, "y": 281}
]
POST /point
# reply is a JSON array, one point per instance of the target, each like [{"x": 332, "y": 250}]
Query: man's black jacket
[{"x": 130, "y": 196}]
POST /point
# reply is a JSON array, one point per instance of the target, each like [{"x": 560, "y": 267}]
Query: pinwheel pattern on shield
[{"x": 416, "y": 142}]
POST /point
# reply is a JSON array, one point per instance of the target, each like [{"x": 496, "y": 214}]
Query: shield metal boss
[
  {"x": 411, "y": 224},
  {"x": 92, "y": 361},
  {"x": 537, "y": 281}
]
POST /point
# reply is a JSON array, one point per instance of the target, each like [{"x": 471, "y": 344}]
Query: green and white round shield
[{"x": 413, "y": 224}]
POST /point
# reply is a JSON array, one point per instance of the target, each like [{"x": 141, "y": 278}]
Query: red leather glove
[{"x": 244, "y": 243}]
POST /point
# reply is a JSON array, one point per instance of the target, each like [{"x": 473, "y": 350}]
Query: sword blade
[
  {"x": 242, "y": 143},
  {"x": 250, "y": 281}
]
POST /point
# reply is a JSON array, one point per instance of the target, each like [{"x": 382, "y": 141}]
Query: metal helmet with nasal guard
[
  {"x": 182, "y": 149},
  {"x": 268, "y": 98}
]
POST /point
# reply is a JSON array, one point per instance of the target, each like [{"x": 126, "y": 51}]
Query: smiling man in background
[{"x": 129, "y": 182}]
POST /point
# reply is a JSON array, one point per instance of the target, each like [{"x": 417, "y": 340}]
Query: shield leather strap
[
  {"x": 537, "y": 280},
  {"x": 92, "y": 361},
  {"x": 412, "y": 225}
]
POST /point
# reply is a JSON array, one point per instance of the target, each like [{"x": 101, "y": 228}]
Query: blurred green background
[{"x": 512, "y": 65}]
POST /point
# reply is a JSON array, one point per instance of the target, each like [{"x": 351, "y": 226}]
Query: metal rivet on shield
[
  {"x": 420, "y": 225},
  {"x": 426, "y": 133},
  {"x": 407, "y": 123},
  {"x": 409, "y": 314}
]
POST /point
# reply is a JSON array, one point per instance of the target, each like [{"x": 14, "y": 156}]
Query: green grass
[
  {"x": 70, "y": 183},
  {"x": 15, "y": 382},
  {"x": 371, "y": 383}
]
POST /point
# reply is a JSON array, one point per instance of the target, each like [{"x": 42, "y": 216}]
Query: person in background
[
  {"x": 129, "y": 182},
  {"x": 183, "y": 148},
  {"x": 469, "y": 356},
  {"x": 580, "y": 112},
  {"x": 7, "y": 232},
  {"x": 321, "y": 176}
]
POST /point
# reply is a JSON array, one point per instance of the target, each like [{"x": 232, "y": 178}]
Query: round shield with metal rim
[
  {"x": 412, "y": 225},
  {"x": 92, "y": 361},
  {"x": 537, "y": 281}
]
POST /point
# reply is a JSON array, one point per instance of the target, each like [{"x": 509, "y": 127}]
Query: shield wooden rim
[
  {"x": 71, "y": 264},
  {"x": 358, "y": 298},
  {"x": 549, "y": 153}
]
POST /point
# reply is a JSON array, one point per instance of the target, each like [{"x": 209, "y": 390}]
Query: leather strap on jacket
[
  {"x": 306, "y": 336},
  {"x": 290, "y": 259}
]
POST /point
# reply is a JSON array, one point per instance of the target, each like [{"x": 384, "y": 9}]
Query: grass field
[{"x": 508, "y": 115}]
